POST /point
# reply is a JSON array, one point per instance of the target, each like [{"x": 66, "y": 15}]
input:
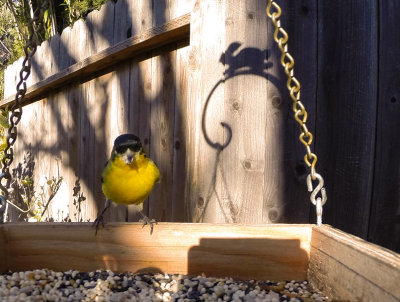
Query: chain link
[
  {"x": 281, "y": 37},
  {"x": 16, "y": 110}
]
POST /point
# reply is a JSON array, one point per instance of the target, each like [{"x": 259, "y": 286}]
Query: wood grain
[
  {"x": 152, "y": 38},
  {"x": 181, "y": 166},
  {"x": 299, "y": 18},
  {"x": 95, "y": 110},
  {"x": 272, "y": 252},
  {"x": 161, "y": 127},
  {"x": 140, "y": 91},
  {"x": 84, "y": 139},
  {"x": 205, "y": 98},
  {"x": 243, "y": 169},
  {"x": 346, "y": 113},
  {"x": 348, "y": 268},
  {"x": 118, "y": 86},
  {"x": 11, "y": 78},
  {"x": 384, "y": 225}
]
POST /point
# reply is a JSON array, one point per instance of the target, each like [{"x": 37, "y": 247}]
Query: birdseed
[{"x": 105, "y": 285}]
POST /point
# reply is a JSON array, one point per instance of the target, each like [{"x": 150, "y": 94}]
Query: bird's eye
[
  {"x": 121, "y": 149},
  {"x": 135, "y": 148}
]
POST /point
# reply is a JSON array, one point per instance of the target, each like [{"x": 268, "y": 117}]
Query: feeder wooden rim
[{"x": 340, "y": 265}]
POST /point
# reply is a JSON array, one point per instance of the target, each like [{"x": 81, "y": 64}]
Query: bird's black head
[{"x": 126, "y": 145}]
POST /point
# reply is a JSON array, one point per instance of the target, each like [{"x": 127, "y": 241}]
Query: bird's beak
[{"x": 128, "y": 157}]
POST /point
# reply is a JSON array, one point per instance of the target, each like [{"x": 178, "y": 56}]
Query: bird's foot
[
  {"x": 99, "y": 220},
  {"x": 151, "y": 222}
]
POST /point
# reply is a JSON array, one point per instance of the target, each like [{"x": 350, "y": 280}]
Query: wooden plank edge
[
  {"x": 275, "y": 252},
  {"x": 169, "y": 32},
  {"x": 347, "y": 267}
]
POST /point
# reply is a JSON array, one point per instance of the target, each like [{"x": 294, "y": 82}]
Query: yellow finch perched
[{"x": 129, "y": 176}]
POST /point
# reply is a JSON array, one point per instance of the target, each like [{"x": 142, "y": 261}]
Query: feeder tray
[{"x": 340, "y": 265}]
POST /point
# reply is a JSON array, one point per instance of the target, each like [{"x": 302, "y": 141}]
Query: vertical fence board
[
  {"x": 41, "y": 62},
  {"x": 11, "y": 78},
  {"x": 73, "y": 101},
  {"x": 384, "y": 226},
  {"x": 139, "y": 114},
  {"x": 166, "y": 10},
  {"x": 181, "y": 167},
  {"x": 64, "y": 57},
  {"x": 54, "y": 154},
  {"x": 55, "y": 53},
  {"x": 162, "y": 120},
  {"x": 166, "y": 203},
  {"x": 242, "y": 170},
  {"x": 77, "y": 100},
  {"x": 46, "y": 145},
  {"x": 163, "y": 116},
  {"x": 87, "y": 137},
  {"x": 100, "y": 106},
  {"x": 62, "y": 116},
  {"x": 162, "y": 127},
  {"x": 207, "y": 39},
  {"x": 25, "y": 145},
  {"x": 87, "y": 142},
  {"x": 347, "y": 90},
  {"x": 140, "y": 87},
  {"x": 119, "y": 81},
  {"x": 286, "y": 198},
  {"x": 68, "y": 110}
]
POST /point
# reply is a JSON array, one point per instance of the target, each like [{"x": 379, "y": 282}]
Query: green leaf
[
  {"x": 4, "y": 121},
  {"x": 27, "y": 181},
  {"x": 46, "y": 15},
  {"x": 4, "y": 112}
]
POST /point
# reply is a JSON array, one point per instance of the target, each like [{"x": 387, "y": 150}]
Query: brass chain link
[
  {"x": 281, "y": 37},
  {"x": 16, "y": 110}
]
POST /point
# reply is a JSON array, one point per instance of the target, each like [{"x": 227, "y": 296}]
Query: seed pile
[{"x": 104, "y": 285}]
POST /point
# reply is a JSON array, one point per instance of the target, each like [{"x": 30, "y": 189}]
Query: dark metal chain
[{"x": 16, "y": 110}]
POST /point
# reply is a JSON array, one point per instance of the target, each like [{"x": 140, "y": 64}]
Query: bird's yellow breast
[{"x": 129, "y": 184}]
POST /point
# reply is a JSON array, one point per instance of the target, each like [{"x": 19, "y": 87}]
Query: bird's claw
[
  {"x": 147, "y": 221},
  {"x": 99, "y": 220}
]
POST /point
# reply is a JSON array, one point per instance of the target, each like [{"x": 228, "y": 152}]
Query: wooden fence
[{"x": 201, "y": 83}]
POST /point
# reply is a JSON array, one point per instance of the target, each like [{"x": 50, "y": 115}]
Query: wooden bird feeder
[{"x": 340, "y": 265}]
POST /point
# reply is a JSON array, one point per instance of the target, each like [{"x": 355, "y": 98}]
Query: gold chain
[
  {"x": 281, "y": 37},
  {"x": 293, "y": 85}
]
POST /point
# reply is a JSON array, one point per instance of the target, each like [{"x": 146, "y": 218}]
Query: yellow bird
[{"x": 128, "y": 177}]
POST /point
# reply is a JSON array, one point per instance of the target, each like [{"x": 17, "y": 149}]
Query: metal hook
[{"x": 318, "y": 202}]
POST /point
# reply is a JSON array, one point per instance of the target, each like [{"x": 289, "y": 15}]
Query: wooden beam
[
  {"x": 275, "y": 252},
  {"x": 348, "y": 268},
  {"x": 169, "y": 32}
]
